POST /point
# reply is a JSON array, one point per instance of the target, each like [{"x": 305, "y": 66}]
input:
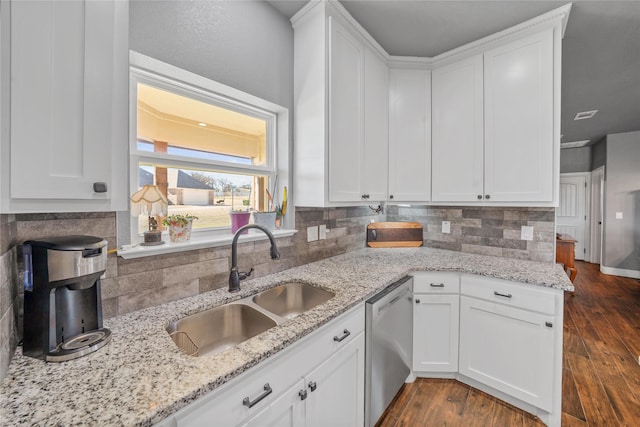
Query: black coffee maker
[{"x": 62, "y": 301}]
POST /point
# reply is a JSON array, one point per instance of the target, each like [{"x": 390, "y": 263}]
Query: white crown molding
[{"x": 558, "y": 16}]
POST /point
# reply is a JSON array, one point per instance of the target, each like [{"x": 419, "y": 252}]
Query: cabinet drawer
[
  {"x": 528, "y": 297},
  {"x": 441, "y": 283}
]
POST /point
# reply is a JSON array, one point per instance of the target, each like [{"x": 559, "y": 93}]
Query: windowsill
[{"x": 139, "y": 251}]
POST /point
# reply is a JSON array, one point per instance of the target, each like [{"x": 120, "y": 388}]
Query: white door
[
  {"x": 336, "y": 388},
  {"x": 435, "y": 333},
  {"x": 375, "y": 162},
  {"x": 409, "y": 135},
  {"x": 286, "y": 411},
  {"x": 509, "y": 349},
  {"x": 457, "y": 143},
  {"x": 597, "y": 198},
  {"x": 571, "y": 215},
  {"x": 518, "y": 108},
  {"x": 346, "y": 114}
]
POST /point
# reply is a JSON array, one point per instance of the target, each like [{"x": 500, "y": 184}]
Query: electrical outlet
[
  {"x": 526, "y": 232},
  {"x": 322, "y": 231},
  {"x": 446, "y": 227},
  {"x": 312, "y": 233}
]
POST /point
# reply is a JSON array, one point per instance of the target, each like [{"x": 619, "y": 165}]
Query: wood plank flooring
[{"x": 601, "y": 370}]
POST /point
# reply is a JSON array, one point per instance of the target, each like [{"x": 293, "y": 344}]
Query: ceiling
[{"x": 601, "y": 48}]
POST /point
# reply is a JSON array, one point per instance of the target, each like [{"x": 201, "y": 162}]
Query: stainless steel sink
[
  {"x": 291, "y": 299},
  {"x": 218, "y": 329}
]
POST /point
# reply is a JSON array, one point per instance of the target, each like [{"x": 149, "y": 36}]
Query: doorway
[
  {"x": 596, "y": 226},
  {"x": 572, "y": 216}
]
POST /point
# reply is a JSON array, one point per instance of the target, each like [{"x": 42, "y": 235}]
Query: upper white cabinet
[
  {"x": 409, "y": 135},
  {"x": 458, "y": 132},
  {"x": 519, "y": 119},
  {"x": 67, "y": 68},
  {"x": 341, "y": 110},
  {"x": 478, "y": 124},
  {"x": 493, "y": 117}
]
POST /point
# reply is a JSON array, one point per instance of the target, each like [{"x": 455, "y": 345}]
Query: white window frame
[{"x": 146, "y": 70}]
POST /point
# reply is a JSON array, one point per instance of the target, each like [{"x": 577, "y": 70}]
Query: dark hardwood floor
[{"x": 601, "y": 369}]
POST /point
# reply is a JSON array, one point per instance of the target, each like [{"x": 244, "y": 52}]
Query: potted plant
[
  {"x": 179, "y": 227},
  {"x": 239, "y": 218}
]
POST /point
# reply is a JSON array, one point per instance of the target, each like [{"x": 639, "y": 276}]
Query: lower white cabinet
[
  {"x": 318, "y": 381},
  {"x": 502, "y": 337},
  {"x": 435, "y": 333},
  {"x": 336, "y": 388}
]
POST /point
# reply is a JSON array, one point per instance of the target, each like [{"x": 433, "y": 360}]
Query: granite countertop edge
[{"x": 144, "y": 378}]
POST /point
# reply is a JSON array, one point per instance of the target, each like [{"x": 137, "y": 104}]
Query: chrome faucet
[{"x": 235, "y": 277}]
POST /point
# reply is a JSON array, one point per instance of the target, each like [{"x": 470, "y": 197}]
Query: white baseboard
[{"x": 634, "y": 274}]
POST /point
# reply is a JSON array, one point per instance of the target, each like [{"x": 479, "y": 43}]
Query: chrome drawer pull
[
  {"x": 340, "y": 339},
  {"x": 498, "y": 294},
  {"x": 441, "y": 285},
  {"x": 267, "y": 391}
]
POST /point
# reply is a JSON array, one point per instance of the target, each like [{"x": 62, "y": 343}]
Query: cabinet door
[
  {"x": 286, "y": 411},
  {"x": 375, "y": 159},
  {"x": 435, "y": 333},
  {"x": 509, "y": 349},
  {"x": 346, "y": 114},
  {"x": 519, "y": 139},
  {"x": 457, "y": 162},
  {"x": 409, "y": 135},
  {"x": 336, "y": 388},
  {"x": 63, "y": 86}
]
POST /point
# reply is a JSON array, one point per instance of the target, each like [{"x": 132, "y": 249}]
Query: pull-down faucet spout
[{"x": 235, "y": 277}]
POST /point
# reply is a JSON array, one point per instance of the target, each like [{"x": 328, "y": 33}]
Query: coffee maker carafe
[{"x": 62, "y": 301}]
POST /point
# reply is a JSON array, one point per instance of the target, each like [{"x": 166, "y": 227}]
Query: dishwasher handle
[{"x": 392, "y": 301}]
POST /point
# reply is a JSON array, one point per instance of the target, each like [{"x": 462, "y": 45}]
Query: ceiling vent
[
  {"x": 585, "y": 115},
  {"x": 574, "y": 144}
]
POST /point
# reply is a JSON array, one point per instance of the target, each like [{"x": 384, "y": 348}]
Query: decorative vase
[
  {"x": 180, "y": 233},
  {"x": 239, "y": 219},
  {"x": 265, "y": 219}
]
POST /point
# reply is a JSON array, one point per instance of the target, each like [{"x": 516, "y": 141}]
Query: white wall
[
  {"x": 621, "y": 245},
  {"x": 247, "y": 45}
]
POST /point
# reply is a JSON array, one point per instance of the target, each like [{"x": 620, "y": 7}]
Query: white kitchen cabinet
[
  {"x": 435, "y": 333},
  {"x": 409, "y": 135},
  {"x": 336, "y": 388},
  {"x": 519, "y": 120},
  {"x": 68, "y": 112},
  {"x": 288, "y": 410},
  {"x": 509, "y": 339},
  {"x": 458, "y": 132},
  {"x": 493, "y": 118},
  {"x": 436, "y": 315},
  {"x": 341, "y": 101},
  {"x": 318, "y": 375}
]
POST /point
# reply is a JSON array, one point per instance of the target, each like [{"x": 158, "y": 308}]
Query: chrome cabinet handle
[
  {"x": 248, "y": 403},
  {"x": 346, "y": 333},
  {"x": 498, "y": 294},
  {"x": 313, "y": 386},
  {"x": 441, "y": 285}
]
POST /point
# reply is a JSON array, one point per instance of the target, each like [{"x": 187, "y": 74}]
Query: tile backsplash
[
  {"x": 145, "y": 282},
  {"x": 484, "y": 230}
]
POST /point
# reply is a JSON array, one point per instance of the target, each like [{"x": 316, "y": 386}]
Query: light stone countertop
[{"x": 141, "y": 377}]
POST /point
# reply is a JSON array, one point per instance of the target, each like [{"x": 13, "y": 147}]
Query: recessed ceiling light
[
  {"x": 202, "y": 124},
  {"x": 585, "y": 115},
  {"x": 574, "y": 144}
]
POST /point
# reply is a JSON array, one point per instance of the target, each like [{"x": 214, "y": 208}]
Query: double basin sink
[{"x": 223, "y": 327}]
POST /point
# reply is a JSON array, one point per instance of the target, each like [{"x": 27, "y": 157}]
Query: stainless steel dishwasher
[{"x": 389, "y": 326}]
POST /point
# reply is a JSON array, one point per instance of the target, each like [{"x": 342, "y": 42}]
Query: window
[{"x": 209, "y": 148}]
